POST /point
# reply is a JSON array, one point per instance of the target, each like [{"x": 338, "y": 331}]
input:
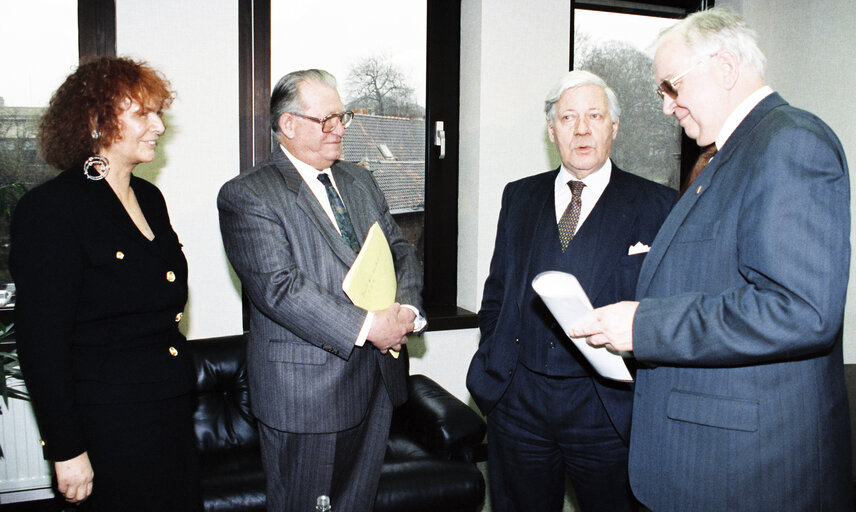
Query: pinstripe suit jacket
[
  {"x": 306, "y": 375},
  {"x": 742, "y": 404}
]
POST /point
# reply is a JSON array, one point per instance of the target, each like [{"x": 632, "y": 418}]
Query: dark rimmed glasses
[
  {"x": 328, "y": 124},
  {"x": 669, "y": 86}
]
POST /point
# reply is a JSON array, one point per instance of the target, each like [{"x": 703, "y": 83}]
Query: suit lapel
[
  {"x": 686, "y": 203},
  {"x": 534, "y": 213},
  {"x": 306, "y": 201},
  {"x": 103, "y": 199},
  {"x": 358, "y": 211},
  {"x": 613, "y": 212}
]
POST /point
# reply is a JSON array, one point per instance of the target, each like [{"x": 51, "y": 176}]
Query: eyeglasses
[
  {"x": 328, "y": 124},
  {"x": 669, "y": 86}
]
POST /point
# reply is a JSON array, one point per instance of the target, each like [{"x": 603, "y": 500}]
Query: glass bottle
[{"x": 322, "y": 504}]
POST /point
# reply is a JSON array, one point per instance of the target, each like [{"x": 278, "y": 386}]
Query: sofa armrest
[{"x": 437, "y": 420}]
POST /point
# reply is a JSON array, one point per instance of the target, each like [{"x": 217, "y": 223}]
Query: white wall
[
  {"x": 511, "y": 54},
  {"x": 195, "y": 44},
  {"x": 809, "y": 48}
]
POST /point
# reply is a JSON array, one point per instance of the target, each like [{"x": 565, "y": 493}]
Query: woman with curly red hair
[{"x": 102, "y": 283}]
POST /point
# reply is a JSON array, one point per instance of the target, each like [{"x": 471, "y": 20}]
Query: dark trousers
[
  {"x": 545, "y": 427},
  {"x": 342, "y": 465}
]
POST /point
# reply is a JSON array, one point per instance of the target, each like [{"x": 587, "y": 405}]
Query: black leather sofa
[{"x": 429, "y": 465}]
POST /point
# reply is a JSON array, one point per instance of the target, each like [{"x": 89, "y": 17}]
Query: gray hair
[
  {"x": 711, "y": 31},
  {"x": 574, "y": 79},
  {"x": 286, "y": 94}
]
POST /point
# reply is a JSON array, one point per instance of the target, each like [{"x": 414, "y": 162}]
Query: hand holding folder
[{"x": 371, "y": 282}]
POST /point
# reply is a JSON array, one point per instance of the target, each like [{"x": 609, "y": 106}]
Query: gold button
[
  {"x": 170, "y": 276},
  {"x": 178, "y": 317},
  {"x": 41, "y": 442},
  {"x": 698, "y": 190},
  {"x": 173, "y": 351},
  {"x": 120, "y": 255}
]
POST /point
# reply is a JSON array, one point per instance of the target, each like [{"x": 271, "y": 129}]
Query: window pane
[
  {"x": 615, "y": 47},
  {"x": 376, "y": 50},
  {"x": 39, "y": 38}
]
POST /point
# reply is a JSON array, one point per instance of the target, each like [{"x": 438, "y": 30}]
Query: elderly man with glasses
[
  {"x": 740, "y": 400},
  {"x": 323, "y": 372}
]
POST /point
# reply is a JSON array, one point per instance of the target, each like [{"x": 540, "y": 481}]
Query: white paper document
[{"x": 568, "y": 303}]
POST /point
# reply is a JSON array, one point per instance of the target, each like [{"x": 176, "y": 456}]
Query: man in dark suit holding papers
[
  {"x": 548, "y": 412},
  {"x": 322, "y": 380}
]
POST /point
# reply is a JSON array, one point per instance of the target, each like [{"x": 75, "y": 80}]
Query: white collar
[
  {"x": 739, "y": 114},
  {"x": 309, "y": 173},
  {"x": 595, "y": 182}
]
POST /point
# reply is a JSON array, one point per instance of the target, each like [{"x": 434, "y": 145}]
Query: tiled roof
[{"x": 401, "y": 177}]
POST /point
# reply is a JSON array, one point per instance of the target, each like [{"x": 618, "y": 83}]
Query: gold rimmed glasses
[
  {"x": 328, "y": 124},
  {"x": 669, "y": 86}
]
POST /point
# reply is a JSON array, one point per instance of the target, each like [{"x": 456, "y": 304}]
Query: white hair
[
  {"x": 578, "y": 78},
  {"x": 711, "y": 31}
]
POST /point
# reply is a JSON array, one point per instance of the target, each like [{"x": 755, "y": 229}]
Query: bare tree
[
  {"x": 648, "y": 142},
  {"x": 379, "y": 87}
]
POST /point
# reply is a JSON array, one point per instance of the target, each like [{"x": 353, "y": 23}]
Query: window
[
  {"x": 385, "y": 151},
  {"x": 612, "y": 40},
  {"x": 614, "y": 46},
  {"x": 26, "y": 85},
  {"x": 431, "y": 212}
]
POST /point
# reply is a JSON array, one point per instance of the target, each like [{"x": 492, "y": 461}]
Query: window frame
[
  {"x": 96, "y": 28},
  {"x": 663, "y": 8},
  {"x": 440, "y": 229}
]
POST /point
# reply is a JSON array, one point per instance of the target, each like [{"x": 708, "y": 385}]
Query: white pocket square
[{"x": 639, "y": 248}]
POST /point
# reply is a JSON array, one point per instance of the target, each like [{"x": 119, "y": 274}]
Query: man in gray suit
[
  {"x": 740, "y": 402},
  {"x": 323, "y": 381}
]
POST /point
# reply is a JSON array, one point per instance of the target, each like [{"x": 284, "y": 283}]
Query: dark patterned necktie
[
  {"x": 340, "y": 213},
  {"x": 704, "y": 158},
  {"x": 569, "y": 220}
]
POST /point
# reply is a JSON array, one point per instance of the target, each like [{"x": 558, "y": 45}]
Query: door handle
[{"x": 440, "y": 138}]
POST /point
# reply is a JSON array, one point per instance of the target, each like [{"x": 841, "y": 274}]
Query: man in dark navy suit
[
  {"x": 740, "y": 400},
  {"x": 548, "y": 412}
]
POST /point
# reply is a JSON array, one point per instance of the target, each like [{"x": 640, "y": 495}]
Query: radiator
[{"x": 24, "y": 473}]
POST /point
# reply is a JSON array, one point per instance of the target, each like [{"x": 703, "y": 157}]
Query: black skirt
[{"x": 143, "y": 456}]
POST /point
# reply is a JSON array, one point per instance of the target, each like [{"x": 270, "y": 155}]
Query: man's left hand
[{"x": 610, "y": 326}]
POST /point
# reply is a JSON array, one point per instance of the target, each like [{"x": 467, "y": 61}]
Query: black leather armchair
[{"x": 434, "y": 441}]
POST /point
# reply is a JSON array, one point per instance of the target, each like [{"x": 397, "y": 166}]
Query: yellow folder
[{"x": 371, "y": 283}]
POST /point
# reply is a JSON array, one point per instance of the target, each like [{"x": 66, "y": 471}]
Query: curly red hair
[{"x": 92, "y": 98}]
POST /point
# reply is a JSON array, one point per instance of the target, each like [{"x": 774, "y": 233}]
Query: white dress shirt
[
  {"x": 595, "y": 182},
  {"x": 310, "y": 176},
  {"x": 739, "y": 114}
]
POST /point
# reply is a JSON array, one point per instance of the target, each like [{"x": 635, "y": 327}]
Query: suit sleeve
[
  {"x": 47, "y": 265},
  {"x": 494, "y": 286},
  {"x": 259, "y": 249},
  {"x": 793, "y": 254}
]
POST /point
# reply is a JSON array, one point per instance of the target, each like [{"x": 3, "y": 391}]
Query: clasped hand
[{"x": 390, "y": 327}]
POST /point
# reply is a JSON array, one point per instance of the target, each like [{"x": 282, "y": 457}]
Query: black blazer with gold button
[{"x": 98, "y": 303}]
